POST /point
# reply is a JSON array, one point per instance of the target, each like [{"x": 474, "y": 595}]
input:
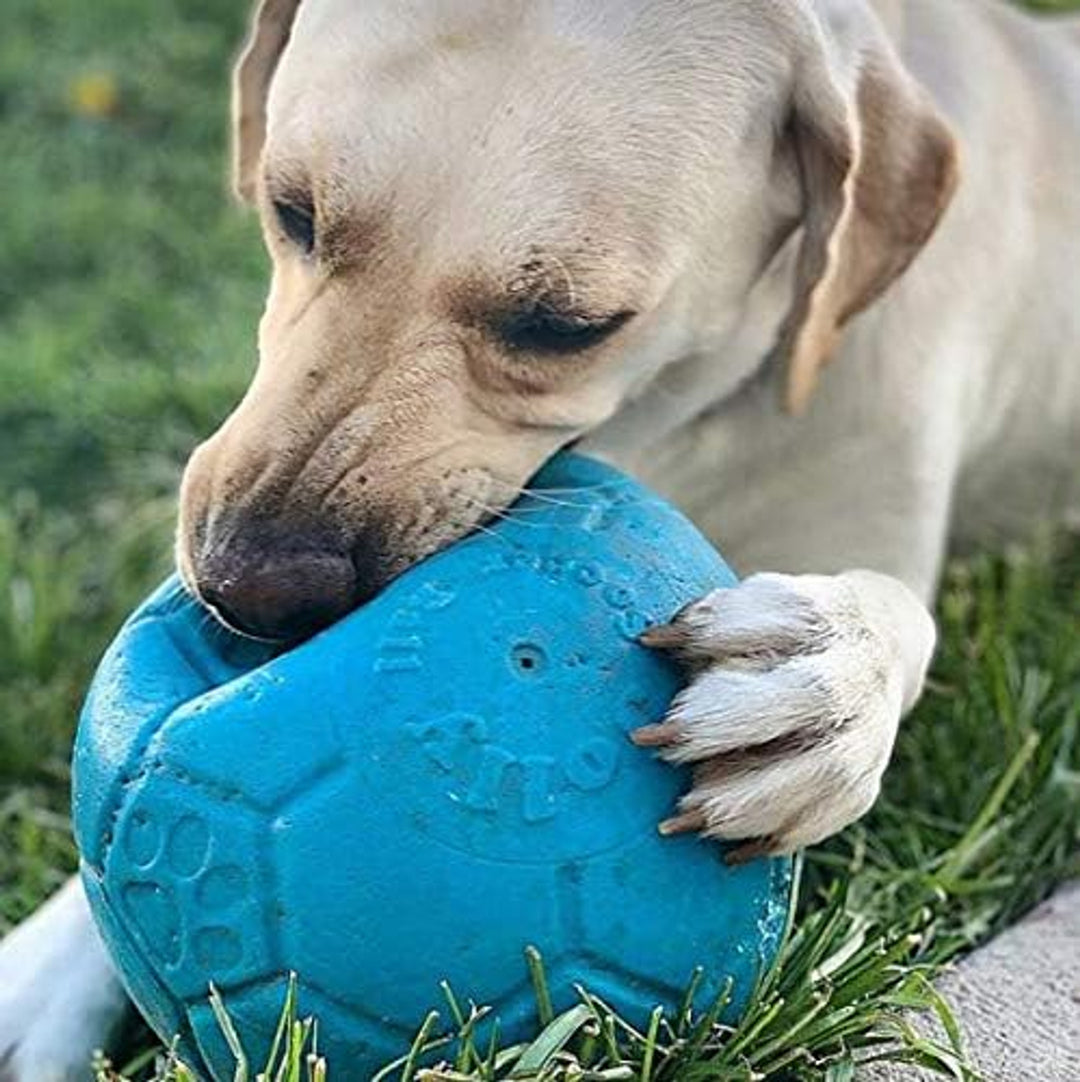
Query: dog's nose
[{"x": 277, "y": 591}]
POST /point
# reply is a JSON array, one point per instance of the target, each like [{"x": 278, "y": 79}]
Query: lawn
[{"x": 129, "y": 289}]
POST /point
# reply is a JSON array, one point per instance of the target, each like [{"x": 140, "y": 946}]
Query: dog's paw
[
  {"x": 59, "y": 996},
  {"x": 799, "y": 683}
]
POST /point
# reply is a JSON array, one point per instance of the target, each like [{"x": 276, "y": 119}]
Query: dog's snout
[{"x": 282, "y": 589}]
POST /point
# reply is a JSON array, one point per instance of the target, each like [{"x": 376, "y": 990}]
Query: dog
[{"x": 643, "y": 227}]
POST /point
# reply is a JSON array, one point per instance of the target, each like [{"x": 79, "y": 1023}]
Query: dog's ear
[
  {"x": 878, "y": 167},
  {"x": 271, "y": 25}
]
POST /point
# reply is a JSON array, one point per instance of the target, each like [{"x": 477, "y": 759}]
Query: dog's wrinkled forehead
[{"x": 507, "y": 116}]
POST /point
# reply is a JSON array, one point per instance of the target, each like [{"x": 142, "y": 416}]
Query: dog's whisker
[
  {"x": 479, "y": 527},
  {"x": 551, "y": 495},
  {"x": 464, "y": 529},
  {"x": 502, "y": 515},
  {"x": 517, "y": 515},
  {"x": 541, "y": 495}
]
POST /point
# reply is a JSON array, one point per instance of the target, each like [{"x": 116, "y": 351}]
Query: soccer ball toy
[{"x": 417, "y": 794}]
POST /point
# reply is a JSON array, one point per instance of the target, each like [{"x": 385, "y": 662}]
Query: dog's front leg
[
  {"x": 801, "y": 681},
  {"x": 60, "y": 998}
]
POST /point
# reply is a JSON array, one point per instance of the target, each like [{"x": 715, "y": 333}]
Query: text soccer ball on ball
[{"x": 417, "y": 794}]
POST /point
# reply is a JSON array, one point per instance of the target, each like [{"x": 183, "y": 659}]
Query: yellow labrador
[{"x": 499, "y": 226}]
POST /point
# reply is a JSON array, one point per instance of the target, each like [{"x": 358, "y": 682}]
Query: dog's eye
[
  {"x": 297, "y": 220},
  {"x": 546, "y": 330}
]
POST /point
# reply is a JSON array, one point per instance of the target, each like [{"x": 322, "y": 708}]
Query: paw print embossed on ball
[
  {"x": 417, "y": 794},
  {"x": 190, "y": 884}
]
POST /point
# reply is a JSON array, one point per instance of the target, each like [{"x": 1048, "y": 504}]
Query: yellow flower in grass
[{"x": 94, "y": 95}]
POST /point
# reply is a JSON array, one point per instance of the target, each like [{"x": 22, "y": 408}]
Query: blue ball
[{"x": 417, "y": 794}]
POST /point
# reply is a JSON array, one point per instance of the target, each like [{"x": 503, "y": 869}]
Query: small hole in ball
[{"x": 527, "y": 659}]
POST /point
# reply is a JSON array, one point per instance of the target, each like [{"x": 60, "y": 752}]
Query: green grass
[{"x": 129, "y": 291}]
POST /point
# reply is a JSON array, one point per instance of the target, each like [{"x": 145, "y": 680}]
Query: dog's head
[{"x": 492, "y": 222}]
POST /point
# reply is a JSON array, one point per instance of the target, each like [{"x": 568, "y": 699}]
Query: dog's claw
[
  {"x": 664, "y": 637},
  {"x": 657, "y": 736},
  {"x": 688, "y": 822}
]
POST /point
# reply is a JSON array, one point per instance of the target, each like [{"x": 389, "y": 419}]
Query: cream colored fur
[{"x": 767, "y": 184}]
